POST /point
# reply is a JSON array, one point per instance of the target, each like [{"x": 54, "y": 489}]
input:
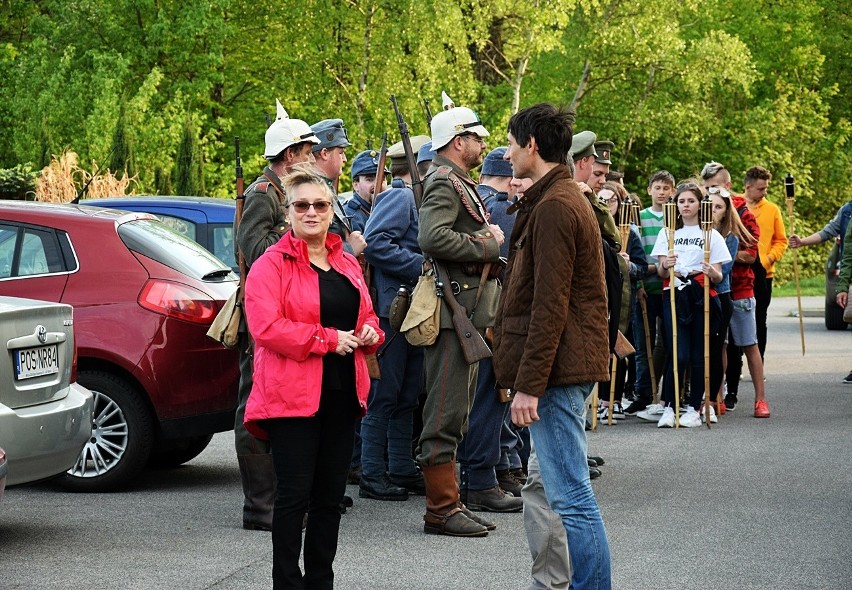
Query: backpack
[{"x": 614, "y": 279}]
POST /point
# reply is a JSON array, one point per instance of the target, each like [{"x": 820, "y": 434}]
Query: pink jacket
[{"x": 283, "y": 312}]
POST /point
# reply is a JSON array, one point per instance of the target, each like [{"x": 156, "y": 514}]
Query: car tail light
[{"x": 178, "y": 301}]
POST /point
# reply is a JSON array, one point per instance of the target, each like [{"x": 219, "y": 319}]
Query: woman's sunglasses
[{"x": 319, "y": 206}]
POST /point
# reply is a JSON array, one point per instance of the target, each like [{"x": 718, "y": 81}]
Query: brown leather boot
[
  {"x": 444, "y": 515},
  {"x": 258, "y": 478}
]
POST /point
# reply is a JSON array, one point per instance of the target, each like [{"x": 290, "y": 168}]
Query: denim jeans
[
  {"x": 387, "y": 429},
  {"x": 560, "y": 443}
]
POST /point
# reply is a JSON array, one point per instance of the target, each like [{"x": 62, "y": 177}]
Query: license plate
[{"x": 35, "y": 362}]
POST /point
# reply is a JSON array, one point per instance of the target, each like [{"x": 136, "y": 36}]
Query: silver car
[{"x": 45, "y": 418}]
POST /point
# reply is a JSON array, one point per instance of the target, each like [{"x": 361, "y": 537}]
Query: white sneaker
[
  {"x": 713, "y": 418},
  {"x": 690, "y": 419},
  {"x": 668, "y": 419},
  {"x": 652, "y": 413}
]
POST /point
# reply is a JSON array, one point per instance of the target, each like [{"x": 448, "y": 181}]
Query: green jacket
[
  {"x": 845, "y": 276},
  {"x": 454, "y": 230},
  {"x": 263, "y": 217}
]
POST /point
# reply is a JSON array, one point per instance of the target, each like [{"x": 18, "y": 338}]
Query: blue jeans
[
  {"x": 387, "y": 429},
  {"x": 560, "y": 444}
]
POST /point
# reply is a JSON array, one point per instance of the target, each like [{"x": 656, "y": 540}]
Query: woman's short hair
[{"x": 303, "y": 174}]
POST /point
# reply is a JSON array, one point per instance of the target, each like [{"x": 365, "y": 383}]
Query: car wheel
[
  {"x": 173, "y": 453},
  {"x": 122, "y": 436}
]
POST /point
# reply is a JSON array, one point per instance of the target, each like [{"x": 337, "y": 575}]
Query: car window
[
  {"x": 28, "y": 252},
  {"x": 153, "y": 239},
  {"x": 181, "y": 226},
  {"x": 223, "y": 244},
  {"x": 7, "y": 249}
]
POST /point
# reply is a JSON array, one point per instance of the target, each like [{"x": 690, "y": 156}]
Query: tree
[{"x": 188, "y": 177}]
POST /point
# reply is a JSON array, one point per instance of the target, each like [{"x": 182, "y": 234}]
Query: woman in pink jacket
[{"x": 310, "y": 315}]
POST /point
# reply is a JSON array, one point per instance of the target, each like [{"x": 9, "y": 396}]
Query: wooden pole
[
  {"x": 707, "y": 231},
  {"x": 613, "y": 366},
  {"x": 670, "y": 214},
  {"x": 791, "y": 199}
]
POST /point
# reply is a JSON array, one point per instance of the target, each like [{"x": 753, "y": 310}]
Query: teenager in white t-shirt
[{"x": 690, "y": 273}]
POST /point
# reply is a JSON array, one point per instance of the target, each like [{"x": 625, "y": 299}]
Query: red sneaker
[{"x": 761, "y": 409}]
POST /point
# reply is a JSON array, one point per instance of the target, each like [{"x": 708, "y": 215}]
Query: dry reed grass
[{"x": 59, "y": 181}]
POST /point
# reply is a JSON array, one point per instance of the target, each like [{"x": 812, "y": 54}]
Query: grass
[{"x": 810, "y": 286}]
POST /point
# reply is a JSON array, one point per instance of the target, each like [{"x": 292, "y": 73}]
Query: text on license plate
[{"x": 35, "y": 362}]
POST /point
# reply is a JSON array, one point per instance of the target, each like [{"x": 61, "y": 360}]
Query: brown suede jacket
[{"x": 551, "y": 325}]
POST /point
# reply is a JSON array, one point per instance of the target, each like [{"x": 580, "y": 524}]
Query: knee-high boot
[
  {"x": 258, "y": 478},
  {"x": 445, "y": 515}
]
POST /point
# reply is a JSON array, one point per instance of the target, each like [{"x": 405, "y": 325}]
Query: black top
[{"x": 339, "y": 303}]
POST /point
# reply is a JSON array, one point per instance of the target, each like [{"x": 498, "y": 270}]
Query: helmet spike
[
  {"x": 447, "y": 101},
  {"x": 282, "y": 114}
]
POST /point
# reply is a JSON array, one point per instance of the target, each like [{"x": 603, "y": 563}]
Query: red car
[{"x": 143, "y": 297}]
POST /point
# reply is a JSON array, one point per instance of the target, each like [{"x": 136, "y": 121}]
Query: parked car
[
  {"x": 833, "y": 312},
  {"x": 143, "y": 297},
  {"x": 45, "y": 417},
  {"x": 205, "y": 220}
]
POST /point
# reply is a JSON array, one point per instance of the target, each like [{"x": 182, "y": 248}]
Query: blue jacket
[
  {"x": 357, "y": 210},
  {"x": 392, "y": 248},
  {"x": 497, "y": 203}
]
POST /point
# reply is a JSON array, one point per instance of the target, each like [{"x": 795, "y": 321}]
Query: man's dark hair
[
  {"x": 398, "y": 168},
  {"x": 661, "y": 176},
  {"x": 614, "y": 175},
  {"x": 552, "y": 128},
  {"x": 757, "y": 173},
  {"x": 282, "y": 155}
]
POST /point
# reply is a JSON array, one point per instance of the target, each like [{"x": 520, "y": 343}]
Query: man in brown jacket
[{"x": 550, "y": 338}]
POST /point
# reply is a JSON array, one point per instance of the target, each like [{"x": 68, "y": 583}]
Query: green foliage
[
  {"x": 188, "y": 177},
  {"x": 673, "y": 83},
  {"x": 122, "y": 163},
  {"x": 18, "y": 183}
]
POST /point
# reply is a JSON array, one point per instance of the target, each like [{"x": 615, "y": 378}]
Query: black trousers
[
  {"x": 762, "y": 299},
  {"x": 311, "y": 458}
]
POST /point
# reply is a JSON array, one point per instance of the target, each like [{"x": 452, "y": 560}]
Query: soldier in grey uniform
[
  {"x": 288, "y": 142},
  {"x": 330, "y": 155},
  {"x": 454, "y": 230}
]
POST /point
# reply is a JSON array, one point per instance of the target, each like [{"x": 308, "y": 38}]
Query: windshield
[{"x": 153, "y": 239}]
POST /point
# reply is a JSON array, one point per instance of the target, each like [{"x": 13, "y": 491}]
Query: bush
[{"x": 18, "y": 183}]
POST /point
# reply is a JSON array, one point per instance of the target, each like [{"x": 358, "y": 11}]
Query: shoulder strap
[{"x": 281, "y": 197}]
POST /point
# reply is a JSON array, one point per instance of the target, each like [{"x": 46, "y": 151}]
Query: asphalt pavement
[{"x": 749, "y": 504}]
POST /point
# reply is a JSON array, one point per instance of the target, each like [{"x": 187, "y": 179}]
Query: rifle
[
  {"x": 428, "y": 115},
  {"x": 238, "y": 215},
  {"x": 416, "y": 183},
  {"x": 380, "y": 171},
  {"x": 472, "y": 343}
]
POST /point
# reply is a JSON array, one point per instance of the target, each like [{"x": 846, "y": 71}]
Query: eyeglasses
[
  {"x": 473, "y": 136},
  {"x": 303, "y": 206},
  {"x": 718, "y": 190}
]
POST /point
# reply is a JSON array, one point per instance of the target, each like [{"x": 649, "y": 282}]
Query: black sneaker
[
  {"x": 637, "y": 406},
  {"x": 730, "y": 402},
  {"x": 848, "y": 380}
]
